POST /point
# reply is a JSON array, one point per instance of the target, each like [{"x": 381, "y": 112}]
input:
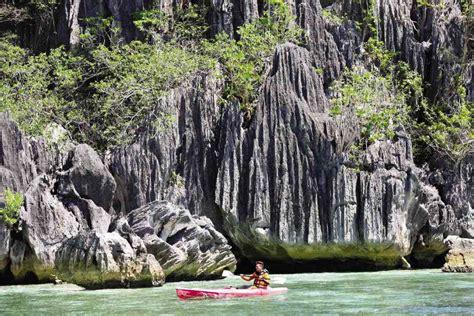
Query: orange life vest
[{"x": 261, "y": 280}]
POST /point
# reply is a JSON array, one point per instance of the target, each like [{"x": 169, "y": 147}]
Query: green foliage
[
  {"x": 99, "y": 30},
  {"x": 430, "y": 4},
  {"x": 102, "y": 89},
  {"x": 378, "y": 97},
  {"x": 185, "y": 27},
  {"x": 331, "y": 17},
  {"x": 133, "y": 78},
  {"x": 99, "y": 97},
  {"x": 449, "y": 135},
  {"x": 368, "y": 25},
  {"x": 425, "y": 3},
  {"x": 44, "y": 4},
  {"x": 35, "y": 89},
  {"x": 377, "y": 53},
  {"x": 319, "y": 70},
  {"x": 11, "y": 212},
  {"x": 390, "y": 94},
  {"x": 176, "y": 180},
  {"x": 151, "y": 21},
  {"x": 244, "y": 61},
  {"x": 371, "y": 98}
]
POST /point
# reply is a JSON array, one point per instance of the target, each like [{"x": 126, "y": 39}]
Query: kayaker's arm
[{"x": 248, "y": 278}]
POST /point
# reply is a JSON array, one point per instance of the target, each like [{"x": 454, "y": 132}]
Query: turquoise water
[{"x": 389, "y": 292}]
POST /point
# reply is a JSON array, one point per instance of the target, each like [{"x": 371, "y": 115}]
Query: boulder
[
  {"x": 187, "y": 246},
  {"x": 45, "y": 225},
  {"x": 460, "y": 257},
  {"x": 88, "y": 214},
  {"x": 103, "y": 260}
]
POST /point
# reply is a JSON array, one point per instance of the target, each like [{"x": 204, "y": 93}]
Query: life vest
[{"x": 262, "y": 279}]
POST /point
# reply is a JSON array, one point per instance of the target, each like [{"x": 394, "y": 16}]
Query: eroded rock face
[
  {"x": 73, "y": 15},
  {"x": 460, "y": 257},
  {"x": 327, "y": 44},
  {"x": 87, "y": 177},
  {"x": 288, "y": 176},
  {"x": 103, "y": 260},
  {"x": 281, "y": 185},
  {"x": 186, "y": 246},
  {"x": 68, "y": 230},
  {"x": 46, "y": 225},
  {"x": 21, "y": 160},
  {"x": 175, "y": 162},
  {"x": 4, "y": 245}
]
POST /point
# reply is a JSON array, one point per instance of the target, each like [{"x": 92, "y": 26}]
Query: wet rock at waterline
[
  {"x": 98, "y": 260},
  {"x": 460, "y": 257}
]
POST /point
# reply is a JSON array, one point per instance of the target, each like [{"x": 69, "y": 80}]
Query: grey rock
[
  {"x": 90, "y": 215},
  {"x": 173, "y": 160},
  {"x": 467, "y": 226},
  {"x": 21, "y": 160},
  {"x": 469, "y": 75},
  {"x": 455, "y": 184},
  {"x": 221, "y": 17},
  {"x": 397, "y": 30},
  {"x": 73, "y": 14},
  {"x": 86, "y": 176},
  {"x": 17, "y": 256},
  {"x": 46, "y": 224},
  {"x": 430, "y": 39},
  {"x": 186, "y": 246},
  {"x": 321, "y": 42},
  {"x": 460, "y": 257},
  {"x": 4, "y": 245},
  {"x": 284, "y": 177},
  {"x": 170, "y": 257},
  {"x": 68, "y": 26},
  {"x": 95, "y": 260},
  {"x": 287, "y": 173}
]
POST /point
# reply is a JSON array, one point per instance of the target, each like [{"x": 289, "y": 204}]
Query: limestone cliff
[{"x": 280, "y": 186}]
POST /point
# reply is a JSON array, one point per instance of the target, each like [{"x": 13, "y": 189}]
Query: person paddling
[{"x": 261, "y": 277}]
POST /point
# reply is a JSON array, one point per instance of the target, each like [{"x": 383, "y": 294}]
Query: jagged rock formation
[
  {"x": 291, "y": 180},
  {"x": 68, "y": 230},
  {"x": 4, "y": 245},
  {"x": 173, "y": 162},
  {"x": 280, "y": 186},
  {"x": 86, "y": 176},
  {"x": 21, "y": 160},
  {"x": 99, "y": 260},
  {"x": 460, "y": 257},
  {"x": 187, "y": 246}
]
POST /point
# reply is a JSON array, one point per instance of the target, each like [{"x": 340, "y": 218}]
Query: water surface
[{"x": 388, "y": 292}]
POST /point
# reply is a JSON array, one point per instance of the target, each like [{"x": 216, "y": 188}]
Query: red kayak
[{"x": 227, "y": 293}]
